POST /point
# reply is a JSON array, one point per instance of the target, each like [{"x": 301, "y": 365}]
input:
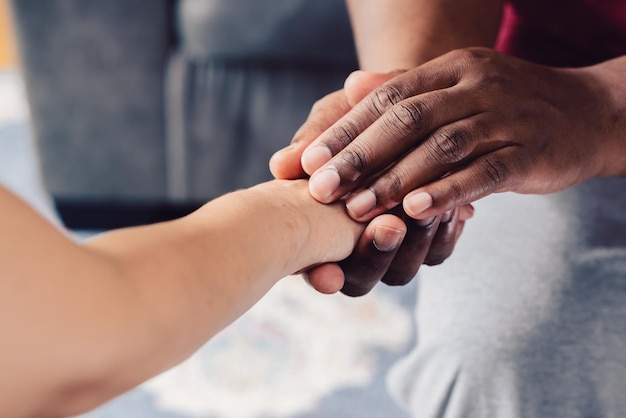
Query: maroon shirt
[{"x": 564, "y": 32}]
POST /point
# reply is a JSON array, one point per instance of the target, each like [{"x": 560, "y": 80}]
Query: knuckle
[
  {"x": 391, "y": 185},
  {"x": 495, "y": 172},
  {"x": 462, "y": 55},
  {"x": 456, "y": 192},
  {"x": 474, "y": 55},
  {"x": 412, "y": 117},
  {"x": 344, "y": 133},
  {"x": 385, "y": 97},
  {"x": 474, "y": 60},
  {"x": 451, "y": 145},
  {"x": 466, "y": 57},
  {"x": 480, "y": 53},
  {"x": 395, "y": 183},
  {"x": 355, "y": 157}
]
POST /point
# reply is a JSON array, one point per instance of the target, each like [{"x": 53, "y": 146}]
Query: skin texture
[
  {"x": 404, "y": 34},
  {"x": 471, "y": 123},
  {"x": 372, "y": 261},
  {"x": 466, "y": 124},
  {"x": 80, "y": 322},
  {"x": 390, "y": 38}
]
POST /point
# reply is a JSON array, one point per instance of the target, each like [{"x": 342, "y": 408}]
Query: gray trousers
[{"x": 528, "y": 316}]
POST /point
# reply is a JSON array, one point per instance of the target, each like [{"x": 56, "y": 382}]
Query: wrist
[
  {"x": 612, "y": 128},
  {"x": 317, "y": 232}
]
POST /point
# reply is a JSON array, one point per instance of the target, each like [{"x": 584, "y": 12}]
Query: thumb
[{"x": 361, "y": 83}]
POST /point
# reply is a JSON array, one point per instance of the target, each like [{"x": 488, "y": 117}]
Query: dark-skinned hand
[
  {"x": 467, "y": 124},
  {"x": 392, "y": 248}
]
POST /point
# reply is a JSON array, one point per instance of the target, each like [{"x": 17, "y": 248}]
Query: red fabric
[{"x": 564, "y": 32}]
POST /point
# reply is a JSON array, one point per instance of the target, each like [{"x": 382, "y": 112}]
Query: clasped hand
[
  {"x": 465, "y": 125},
  {"x": 435, "y": 138}
]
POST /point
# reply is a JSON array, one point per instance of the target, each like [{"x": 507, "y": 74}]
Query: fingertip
[
  {"x": 357, "y": 86},
  {"x": 416, "y": 204},
  {"x": 386, "y": 232},
  {"x": 358, "y": 205},
  {"x": 285, "y": 164},
  {"x": 466, "y": 212},
  {"x": 388, "y": 239},
  {"x": 326, "y": 278},
  {"x": 313, "y": 157},
  {"x": 360, "y": 83},
  {"x": 374, "y": 253},
  {"x": 323, "y": 184},
  {"x": 389, "y": 221}
]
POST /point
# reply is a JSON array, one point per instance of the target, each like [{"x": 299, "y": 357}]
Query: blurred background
[
  {"x": 19, "y": 169},
  {"x": 7, "y": 47},
  {"x": 142, "y": 111},
  {"x": 127, "y": 112}
]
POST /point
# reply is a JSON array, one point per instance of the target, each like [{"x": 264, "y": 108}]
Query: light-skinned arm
[
  {"x": 403, "y": 34},
  {"x": 82, "y": 323}
]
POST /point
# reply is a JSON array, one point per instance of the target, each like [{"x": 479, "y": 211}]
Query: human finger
[
  {"x": 396, "y": 133},
  {"x": 285, "y": 163},
  {"x": 444, "y": 150},
  {"x": 327, "y": 278},
  {"x": 466, "y": 212},
  {"x": 373, "y": 254},
  {"x": 429, "y": 77},
  {"x": 360, "y": 83},
  {"x": 493, "y": 172},
  {"x": 445, "y": 239},
  {"x": 413, "y": 251},
  {"x": 428, "y": 241}
]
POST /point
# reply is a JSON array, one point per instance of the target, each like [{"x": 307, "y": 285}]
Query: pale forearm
[
  {"x": 403, "y": 34},
  {"x": 134, "y": 302},
  {"x": 233, "y": 249},
  {"x": 196, "y": 275}
]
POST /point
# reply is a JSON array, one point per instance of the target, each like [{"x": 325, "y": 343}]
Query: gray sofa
[{"x": 143, "y": 110}]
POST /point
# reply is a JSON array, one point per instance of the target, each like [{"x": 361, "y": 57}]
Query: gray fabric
[
  {"x": 310, "y": 30},
  {"x": 135, "y": 100},
  {"x": 94, "y": 74},
  {"x": 243, "y": 79},
  {"x": 528, "y": 317},
  {"x": 228, "y": 118}
]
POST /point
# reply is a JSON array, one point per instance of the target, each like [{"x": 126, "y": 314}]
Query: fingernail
[
  {"x": 315, "y": 157},
  {"x": 361, "y": 203},
  {"x": 323, "y": 184},
  {"x": 415, "y": 204},
  {"x": 446, "y": 217},
  {"x": 387, "y": 239}
]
